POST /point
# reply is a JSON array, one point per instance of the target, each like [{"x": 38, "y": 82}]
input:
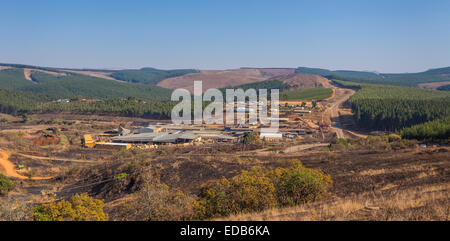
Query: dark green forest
[
  {"x": 444, "y": 88},
  {"x": 268, "y": 84},
  {"x": 130, "y": 107},
  {"x": 149, "y": 76},
  {"x": 307, "y": 94},
  {"x": 392, "y": 108},
  {"x": 433, "y": 130},
  {"x": 73, "y": 85},
  {"x": 19, "y": 102}
]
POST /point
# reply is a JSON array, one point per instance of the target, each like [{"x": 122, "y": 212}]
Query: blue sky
[{"x": 379, "y": 35}]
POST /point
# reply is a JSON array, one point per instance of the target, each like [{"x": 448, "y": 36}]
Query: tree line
[
  {"x": 19, "y": 102},
  {"x": 393, "y": 108}
]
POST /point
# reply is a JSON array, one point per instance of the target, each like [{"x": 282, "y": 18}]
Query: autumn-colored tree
[{"x": 81, "y": 207}]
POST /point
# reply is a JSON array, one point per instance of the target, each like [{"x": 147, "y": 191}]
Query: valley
[{"x": 108, "y": 134}]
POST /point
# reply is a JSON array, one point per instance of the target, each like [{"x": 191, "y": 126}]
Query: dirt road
[
  {"x": 292, "y": 149},
  {"x": 336, "y": 122},
  {"x": 10, "y": 169},
  {"x": 303, "y": 147},
  {"x": 56, "y": 159},
  {"x": 341, "y": 95}
]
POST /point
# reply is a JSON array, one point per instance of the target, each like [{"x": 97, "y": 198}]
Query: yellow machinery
[{"x": 87, "y": 141}]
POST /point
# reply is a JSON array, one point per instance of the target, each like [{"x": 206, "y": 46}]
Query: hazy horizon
[
  {"x": 382, "y": 36},
  {"x": 251, "y": 67}
]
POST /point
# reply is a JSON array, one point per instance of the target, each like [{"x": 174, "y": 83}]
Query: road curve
[{"x": 10, "y": 169}]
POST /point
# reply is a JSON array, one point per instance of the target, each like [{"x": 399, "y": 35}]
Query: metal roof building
[{"x": 156, "y": 138}]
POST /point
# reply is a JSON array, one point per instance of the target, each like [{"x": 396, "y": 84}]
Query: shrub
[
  {"x": 156, "y": 202},
  {"x": 250, "y": 138},
  {"x": 262, "y": 188},
  {"x": 394, "y": 137},
  {"x": 298, "y": 185},
  {"x": 249, "y": 191},
  {"x": 6, "y": 185},
  {"x": 81, "y": 208}
]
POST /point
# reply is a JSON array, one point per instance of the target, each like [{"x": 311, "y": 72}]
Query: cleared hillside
[
  {"x": 222, "y": 78},
  {"x": 303, "y": 81}
]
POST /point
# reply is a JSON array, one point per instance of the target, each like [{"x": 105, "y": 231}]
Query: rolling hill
[
  {"x": 302, "y": 81},
  {"x": 73, "y": 85},
  {"x": 441, "y": 75},
  {"x": 290, "y": 83},
  {"x": 143, "y": 76},
  {"x": 223, "y": 78},
  {"x": 149, "y": 75}
]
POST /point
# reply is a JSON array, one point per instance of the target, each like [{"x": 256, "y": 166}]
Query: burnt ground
[
  {"x": 371, "y": 168},
  {"x": 352, "y": 172},
  {"x": 362, "y": 171}
]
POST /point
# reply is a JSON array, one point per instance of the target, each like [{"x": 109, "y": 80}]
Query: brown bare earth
[
  {"x": 9, "y": 168},
  {"x": 433, "y": 85},
  {"x": 303, "y": 81},
  {"x": 222, "y": 78},
  {"x": 4, "y": 67}
]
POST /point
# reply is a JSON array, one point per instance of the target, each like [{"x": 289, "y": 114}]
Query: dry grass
[
  {"x": 27, "y": 73},
  {"x": 424, "y": 203},
  {"x": 372, "y": 172}
]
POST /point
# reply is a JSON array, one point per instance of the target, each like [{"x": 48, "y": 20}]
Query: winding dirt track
[
  {"x": 338, "y": 99},
  {"x": 10, "y": 170}
]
